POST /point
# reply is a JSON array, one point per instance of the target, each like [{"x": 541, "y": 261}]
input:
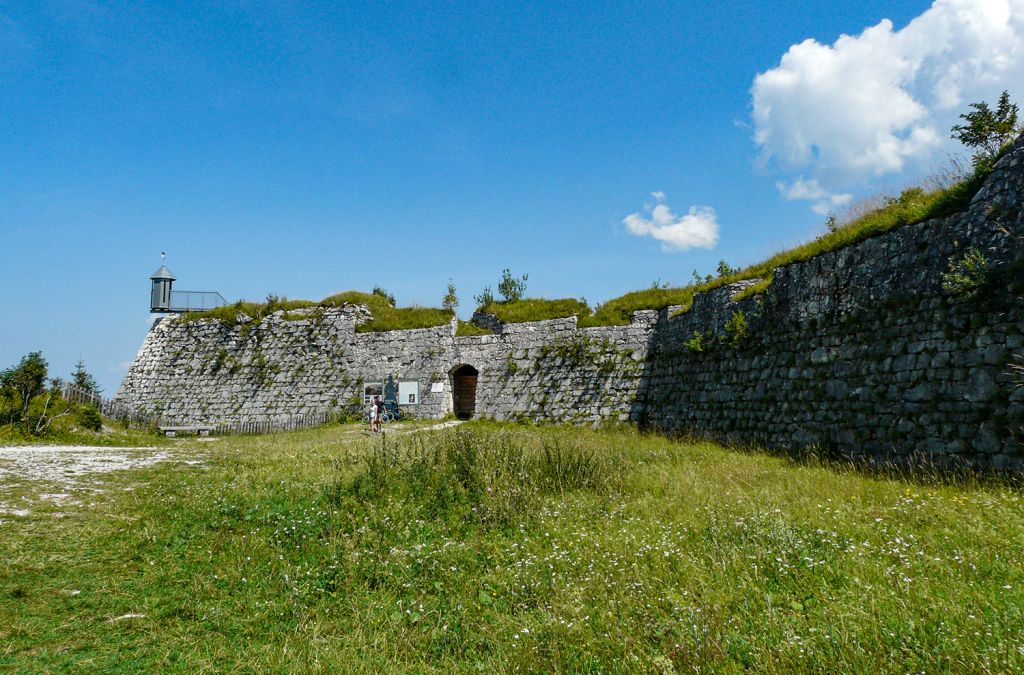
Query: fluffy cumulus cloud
[
  {"x": 882, "y": 102},
  {"x": 696, "y": 229}
]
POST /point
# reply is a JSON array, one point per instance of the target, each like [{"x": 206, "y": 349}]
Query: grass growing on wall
[
  {"x": 507, "y": 549},
  {"x": 914, "y": 205},
  {"x": 758, "y": 287},
  {"x": 229, "y": 314},
  {"x": 536, "y": 309},
  {"x": 467, "y": 328},
  {"x": 385, "y": 315},
  {"x": 617, "y": 312}
]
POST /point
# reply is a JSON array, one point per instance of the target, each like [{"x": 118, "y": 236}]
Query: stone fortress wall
[
  {"x": 308, "y": 361},
  {"x": 858, "y": 351}
]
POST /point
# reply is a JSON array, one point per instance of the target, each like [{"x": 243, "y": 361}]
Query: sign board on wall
[
  {"x": 408, "y": 392},
  {"x": 436, "y": 387},
  {"x": 371, "y": 390}
]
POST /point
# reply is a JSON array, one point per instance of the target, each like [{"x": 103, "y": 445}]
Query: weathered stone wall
[
  {"x": 859, "y": 351},
  {"x": 313, "y": 360}
]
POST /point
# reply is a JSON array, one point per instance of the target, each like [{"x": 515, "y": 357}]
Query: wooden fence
[
  {"x": 266, "y": 426},
  {"x": 150, "y": 420}
]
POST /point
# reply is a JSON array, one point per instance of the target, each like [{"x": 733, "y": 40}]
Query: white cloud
[
  {"x": 811, "y": 190},
  {"x": 696, "y": 229},
  {"x": 882, "y": 102}
]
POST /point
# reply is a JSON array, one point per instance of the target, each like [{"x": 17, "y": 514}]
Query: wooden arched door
[{"x": 464, "y": 391}]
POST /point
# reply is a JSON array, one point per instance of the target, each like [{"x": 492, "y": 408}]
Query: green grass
[
  {"x": 511, "y": 549},
  {"x": 617, "y": 312},
  {"x": 405, "y": 318},
  {"x": 66, "y": 432},
  {"x": 757, "y": 288},
  {"x": 67, "y": 428},
  {"x": 385, "y": 315},
  {"x": 536, "y": 309},
  {"x": 229, "y": 314},
  {"x": 466, "y": 328}
]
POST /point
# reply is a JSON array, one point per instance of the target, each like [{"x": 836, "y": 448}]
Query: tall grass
[
  {"x": 506, "y": 549},
  {"x": 494, "y": 479}
]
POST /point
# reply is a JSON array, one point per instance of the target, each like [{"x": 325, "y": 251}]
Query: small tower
[{"x": 160, "y": 300}]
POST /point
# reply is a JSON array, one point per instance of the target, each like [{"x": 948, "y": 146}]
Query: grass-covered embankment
[
  {"x": 535, "y": 309},
  {"x": 914, "y": 205},
  {"x": 504, "y": 548},
  {"x": 385, "y": 315}
]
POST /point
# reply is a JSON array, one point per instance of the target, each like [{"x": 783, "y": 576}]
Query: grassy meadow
[{"x": 509, "y": 548}]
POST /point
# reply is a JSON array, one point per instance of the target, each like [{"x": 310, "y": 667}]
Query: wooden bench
[{"x": 200, "y": 429}]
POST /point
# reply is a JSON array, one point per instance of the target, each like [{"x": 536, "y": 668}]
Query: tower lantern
[{"x": 160, "y": 300}]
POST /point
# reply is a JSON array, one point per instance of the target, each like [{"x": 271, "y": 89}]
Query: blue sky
[{"x": 302, "y": 149}]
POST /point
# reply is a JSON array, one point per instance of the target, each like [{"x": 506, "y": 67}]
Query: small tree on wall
[
  {"x": 510, "y": 287},
  {"x": 987, "y": 130},
  {"x": 485, "y": 298},
  {"x": 450, "y": 300},
  {"x": 381, "y": 293}
]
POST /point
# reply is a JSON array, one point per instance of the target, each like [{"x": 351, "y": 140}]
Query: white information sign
[
  {"x": 408, "y": 392},
  {"x": 436, "y": 387}
]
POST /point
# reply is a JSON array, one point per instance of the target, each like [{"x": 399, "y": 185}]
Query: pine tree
[{"x": 83, "y": 379}]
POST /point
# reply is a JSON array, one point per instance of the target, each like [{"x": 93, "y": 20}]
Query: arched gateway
[{"x": 464, "y": 391}]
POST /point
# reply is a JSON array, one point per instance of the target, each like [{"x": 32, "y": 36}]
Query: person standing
[
  {"x": 379, "y": 405},
  {"x": 373, "y": 414}
]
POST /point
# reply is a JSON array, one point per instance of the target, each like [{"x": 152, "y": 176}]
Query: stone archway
[{"x": 464, "y": 391}]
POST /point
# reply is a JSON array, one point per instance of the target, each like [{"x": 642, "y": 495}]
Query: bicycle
[{"x": 391, "y": 412}]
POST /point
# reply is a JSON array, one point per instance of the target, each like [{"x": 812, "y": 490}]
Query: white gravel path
[
  {"x": 64, "y": 464},
  {"x": 65, "y": 468}
]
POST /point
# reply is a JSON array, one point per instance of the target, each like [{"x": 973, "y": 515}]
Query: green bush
[
  {"x": 89, "y": 417},
  {"x": 699, "y": 341},
  {"x": 510, "y": 287},
  {"x": 966, "y": 274},
  {"x": 737, "y": 330}
]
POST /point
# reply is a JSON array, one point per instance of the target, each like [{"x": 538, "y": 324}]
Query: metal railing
[{"x": 196, "y": 301}]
